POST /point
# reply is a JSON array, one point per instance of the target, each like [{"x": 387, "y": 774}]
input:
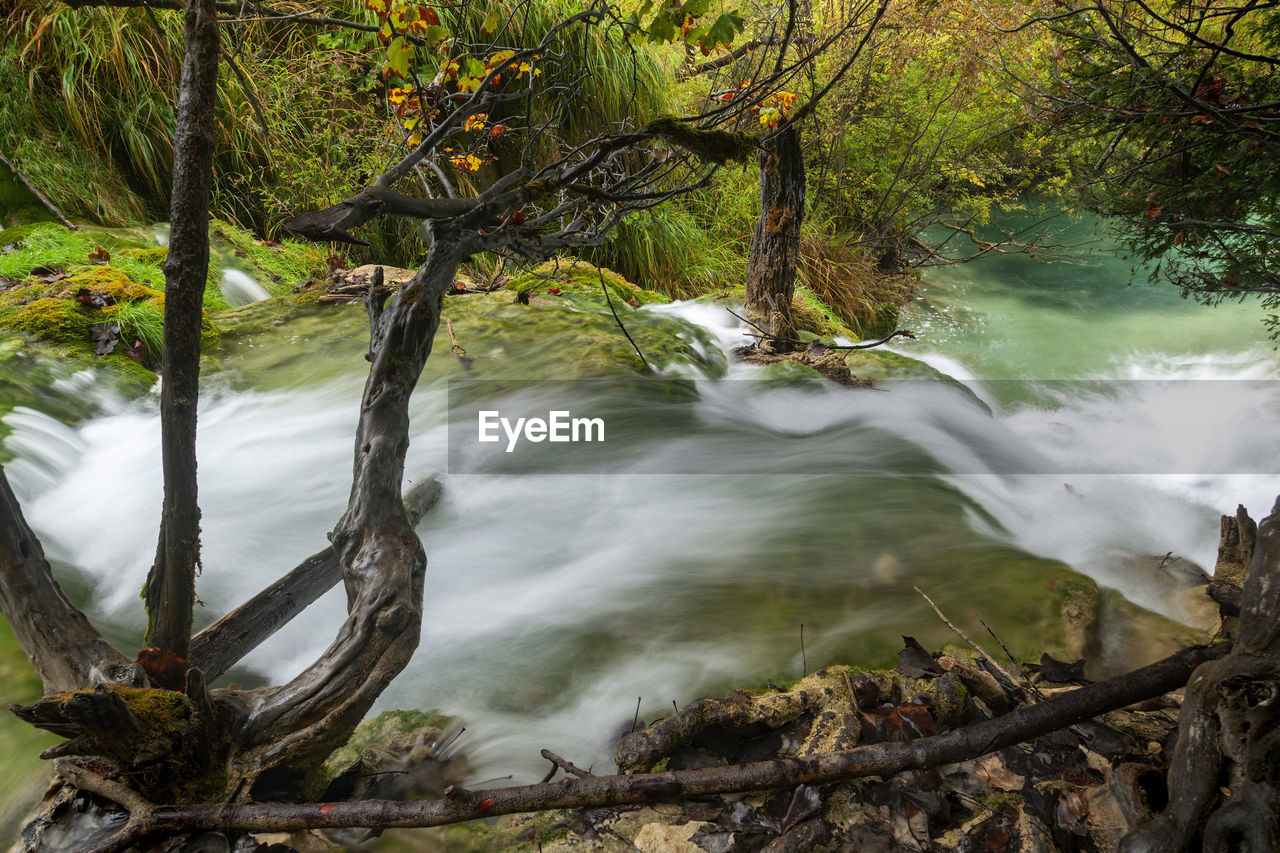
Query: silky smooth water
[{"x": 554, "y": 601}]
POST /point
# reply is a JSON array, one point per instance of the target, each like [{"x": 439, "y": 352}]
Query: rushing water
[{"x": 685, "y": 558}]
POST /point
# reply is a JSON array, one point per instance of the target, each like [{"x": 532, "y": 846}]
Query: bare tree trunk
[
  {"x": 775, "y": 251},
  {"x": 1223, "y": 788},
  {"x": 170, "y": 590},
  {"x": 383, "y": 563}
]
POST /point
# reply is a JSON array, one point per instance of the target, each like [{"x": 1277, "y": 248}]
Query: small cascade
[{"x": 241, "y": 289}]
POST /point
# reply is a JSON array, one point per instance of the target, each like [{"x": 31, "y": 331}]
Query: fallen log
[{"x": 882, "y": 759}]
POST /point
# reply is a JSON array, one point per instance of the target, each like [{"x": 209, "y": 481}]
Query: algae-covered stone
[
  {"x": 107, "y": 282},
  {"x": 60, "y": 320},
  {"x": 576, "y": 279}
]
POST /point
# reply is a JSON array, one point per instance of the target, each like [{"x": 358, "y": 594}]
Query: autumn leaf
[
  {"x": 466, "y": 162},
  {"x": 399, "y": 53},
  {"x": 99, "y": 255},
  {"x": 994, "y": 772}
]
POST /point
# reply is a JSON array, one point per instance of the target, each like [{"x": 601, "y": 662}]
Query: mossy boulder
[
  {"x": 109, "y": 282},
  {"x": 574, "y": 280},
  {"x": 276, "y": 266},
  {"x": 56, "y": 320}
]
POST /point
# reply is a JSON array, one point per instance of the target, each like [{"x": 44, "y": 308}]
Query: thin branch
[{"x": 50, "y": 206}]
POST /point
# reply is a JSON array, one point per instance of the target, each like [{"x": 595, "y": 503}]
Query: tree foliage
[{"x": 1175, "y": 107}]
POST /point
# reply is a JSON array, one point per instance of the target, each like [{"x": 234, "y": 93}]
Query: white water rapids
[{"x": 554, "y": 601}]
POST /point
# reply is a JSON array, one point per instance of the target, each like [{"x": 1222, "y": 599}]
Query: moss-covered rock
[
  {"x": 276, "y": 266},
  {"x": 574, "y": 280},
  {"x": 811, "y": 314},
  {"x": 56, "y": 320},
  {"x": 551, "y": 337},
  {"x": 109, "y": 282}
]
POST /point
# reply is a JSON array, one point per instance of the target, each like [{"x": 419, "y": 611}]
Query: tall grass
[{"x": 142, "y": 322}]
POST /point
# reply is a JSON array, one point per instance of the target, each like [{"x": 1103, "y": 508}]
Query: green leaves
[
  {"x": 399, "y": 56},
  {"x": 673, "y": 22}
]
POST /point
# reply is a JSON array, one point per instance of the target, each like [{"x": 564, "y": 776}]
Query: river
[{"x": 1104, "y": 425}]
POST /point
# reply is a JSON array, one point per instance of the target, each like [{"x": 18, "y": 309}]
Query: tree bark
[
  {"x": 220, "y": 646},
  {"x": 170, "y": 590},
  {"x": 775, "y": 251},
  {"x": 1223, "y": 789},
  {"x": 382, "y": 559}
]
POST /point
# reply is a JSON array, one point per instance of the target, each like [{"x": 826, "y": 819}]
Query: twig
[
  {"x": 636, "y": 718},
  {"x": 618, "y": 320},
  {"x": 1017, "y": 669},
  {"x": 853, "y": 698},
  {"x": 50, "y": 206},
  {"x": 956, "y": 630},
  {"x": 804, "y": 661},
  {"x": 566, "y": 765},
  {"x": 454, "y": 347},
  {"x": 796, "y": 342}
]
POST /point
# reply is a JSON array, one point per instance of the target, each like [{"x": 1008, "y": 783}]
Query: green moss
[
  {"x": 811, "y": 314},
  {"x": 61, "y": 320},
  {"x": 154, "y": 706},
  {"x": 713, "y": 146},
  {"x": 277, "y": 266},
  {"x": 581, "y": 279},
  {"x": 379, "y": 729},
  {"x": 107, "y": 281}
]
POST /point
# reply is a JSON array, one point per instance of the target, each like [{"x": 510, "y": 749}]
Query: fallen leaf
[
  {"x": 164, "y": 669},
  {"x": 993, "y": 771},
  {"x": 137, "y": 352},
  {"x": 1072, "y": 811},
  {"x": 1059, "y": 672},
  {"x": 99, "y": 255},
  {"x": 554, "y": 291},
  {"x": 105, "y": 337},
  {"x": 805, "y": 803},
  {"x": 914, "y": 661},
  {"x": 85, "y": 296},
  {"x": 523, "y": 297}
]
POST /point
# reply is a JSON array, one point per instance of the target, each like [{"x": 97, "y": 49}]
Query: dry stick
[
  {"x": 959, "y": 633},
  {"x": 882, "y": 759},
  {"x": 566, "y": 766},
  {"x": 804, "y": 660},
  {"x": 50, "y": 206},
  {"x": 797, "y": 342},
  {"x": 456, "y": 348},
  {"x": 1017, "y": 669}
]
